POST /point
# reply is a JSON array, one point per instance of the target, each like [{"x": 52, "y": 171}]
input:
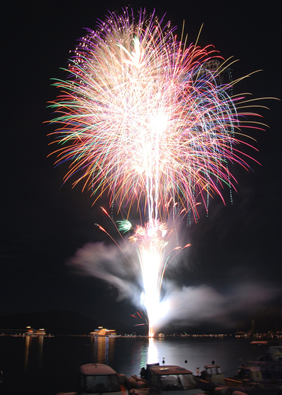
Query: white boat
[
  {"x": 270, "y": 364},
  {"x": 97, "y": 378},
  {"x": 167, "y": 380},
  {"x": 247, "y": 380},
  {"x": 250, "y": 380},
  {"x": 104, "y": 332},
  {"x": 211, "y": 377},
  {"x": 35, "y": 332},
  {"x": 276, "y": 353}
]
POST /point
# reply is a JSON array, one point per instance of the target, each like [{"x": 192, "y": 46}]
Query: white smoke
[
  {"x": 191, "y": 306},
  {"x": 184, "y": 305},
  {"x": 108, "y": 263}
]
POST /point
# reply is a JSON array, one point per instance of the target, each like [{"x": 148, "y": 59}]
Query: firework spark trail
[
  {"x": 151, "y": 247},
  {"x": 142, "y": 118}
]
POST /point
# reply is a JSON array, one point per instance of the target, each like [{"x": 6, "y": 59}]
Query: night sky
[{"x": 234, "y": 263}]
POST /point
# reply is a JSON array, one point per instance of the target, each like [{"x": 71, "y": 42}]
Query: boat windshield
[
  {"x": 214, "y": 370},
  {"x": 99, "y": 384},
  {"x": 176, "y": 382}
]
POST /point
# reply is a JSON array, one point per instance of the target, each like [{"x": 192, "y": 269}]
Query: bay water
[{"x": 45, "y": 366}]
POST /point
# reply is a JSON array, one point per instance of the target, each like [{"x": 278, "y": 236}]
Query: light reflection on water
[
  {"x": 152, "y": 353},
  {"x": 102, "y": 349},
  {"x": 40, "y": 349},
  {"x": 128, "y": 356},
  {"x": 39, "y": 345},
  {"x": 52, "y": 363},
  {"x": 27, "y": 345},
  {"x": 227, "y": 352}
]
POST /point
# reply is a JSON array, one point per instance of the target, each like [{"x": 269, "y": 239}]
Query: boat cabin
[
  {"x": 249, "y": 373},
  {"x": 213, "y": 374},
  {"x": 275, "y": 353},
  {"x": 97, "y": 378},
  {"x": 171, "y": 379},
  {"x": 244, "y": 377},
  {"x": 269, "y": 369}
]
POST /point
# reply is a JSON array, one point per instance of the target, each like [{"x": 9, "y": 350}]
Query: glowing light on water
[{"x": 153, "y": 354}]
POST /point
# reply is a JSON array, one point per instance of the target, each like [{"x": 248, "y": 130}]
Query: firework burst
[
  {"x": 143, "y": 118},
  {"x": 142, "y": 114}
]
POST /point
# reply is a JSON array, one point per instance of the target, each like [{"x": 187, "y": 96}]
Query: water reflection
[
  {"x": 28, "y": 344},
  {"x": 143, "y": 355},
  {"x": 62, "y": 356},
  {"x": 102, "y": 349},
  {"x": 40, "y": 349},
  {"x": 153, "y": 355}
]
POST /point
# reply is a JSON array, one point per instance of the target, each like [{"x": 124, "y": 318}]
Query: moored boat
[
  {"x": 270, "y": 364},
  {"x": 97, "y": 378},
  {"x": 247, "y": 380},
  {"x": 274, "y": 353},
  {"x": 211, "y": 377},
  {"x": 167, "y": 380},
  {"x": 250, "y": 380}
]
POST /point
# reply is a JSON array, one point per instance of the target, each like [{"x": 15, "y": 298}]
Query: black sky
[{"x": 44, "y": 222}]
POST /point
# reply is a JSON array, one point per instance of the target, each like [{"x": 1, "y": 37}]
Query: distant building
[
  {"x": 35, "y": 332},
  {"x": 104, "y": 332},
  {"x": 241, "y": 334}
]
